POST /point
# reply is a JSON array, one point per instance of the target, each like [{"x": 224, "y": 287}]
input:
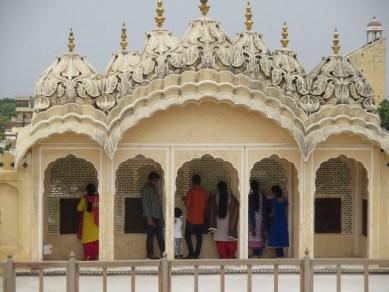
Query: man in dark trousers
[
  {"x": 196, "y": 201},
  {"x": 152, "y": 211}
]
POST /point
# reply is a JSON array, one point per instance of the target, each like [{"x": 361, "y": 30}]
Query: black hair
[
  {"x": 254, "y": 185},
  {"x": 223, "y": 200},
  {"x": 90, "y": 191},
  {"x": 196, "y": 179},
  {"x": 277, "y": 191},
  {"x": 177, "y": 212},
  {"x": 154, "y": 175}
]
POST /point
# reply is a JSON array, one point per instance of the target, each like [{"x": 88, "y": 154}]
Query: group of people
[
  {"x": 267, "y": 220},
  {"x": 217, "y": 214},
  {"x": 213, "y": 213}
]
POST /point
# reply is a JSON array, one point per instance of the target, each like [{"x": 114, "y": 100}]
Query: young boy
[{"x": 178, "y": 233}]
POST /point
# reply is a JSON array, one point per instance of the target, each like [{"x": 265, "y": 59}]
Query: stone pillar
[
  {"x": 307, "y": 204},
  {"x": 357, "y": 207},
  {"x": 170, "y": 187},
  {"x": 106, "y": 178},
  {"x": 244, "y": 177},
  {"x": 374, "y": 207}
]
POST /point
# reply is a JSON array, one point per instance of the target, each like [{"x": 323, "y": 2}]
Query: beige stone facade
[{"x": 232, "y": 111}]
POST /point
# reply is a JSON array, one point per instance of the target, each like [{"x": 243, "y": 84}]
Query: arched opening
[
  {"x": 211, "y": 170},
  {"x": 277, "y": 171},
  {"x": 130, "y": 231},
  {"x": 341, "y": 209},
  {"x": 64, "y": 184}
]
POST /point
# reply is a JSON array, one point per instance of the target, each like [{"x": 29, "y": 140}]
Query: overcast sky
[{"x": 34, "y": 32}]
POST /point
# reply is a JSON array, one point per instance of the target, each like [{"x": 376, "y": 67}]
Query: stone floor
[{"x": 208, "y": 283}]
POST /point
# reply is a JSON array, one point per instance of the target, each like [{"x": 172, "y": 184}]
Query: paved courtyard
[{"x": 208, "y": 283}]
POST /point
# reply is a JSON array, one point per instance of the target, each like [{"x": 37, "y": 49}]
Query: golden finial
[
  {"x": 336, "y": 43},
  {"x": 204, "y": 7},
  {"x": 124, "y": 43},
  {"x": 285, "y": 34},
  {"x": 71, "y": 44},
  {"x": 159, "y": 19},
  {"x": 249, "y": 17}
]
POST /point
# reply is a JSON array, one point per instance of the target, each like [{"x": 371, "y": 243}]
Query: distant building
[{"x": 24, "y": 113}]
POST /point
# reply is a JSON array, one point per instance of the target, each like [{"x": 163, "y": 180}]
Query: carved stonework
[
  {"x": 161, "y": 56},
  {"x": 288, "y": 73},
  {"x": 251, "y": 55},
  {"x": 118, "y": 80},
  {"x": 337, "y": 81},
  {"x": 70, "y": 79},
  {"x": 205, "y": 45}
]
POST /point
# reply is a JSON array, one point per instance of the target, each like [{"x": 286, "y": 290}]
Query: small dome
[
  {"x": 337, "y": 81},
  {"x": 375, "y": 25},
  {"x": 288, "y": 72},
  {"x": 206, "y": 45},
  {"x": 161, "y": 56},
  {"x": 251, "y": 56},
  {"x": 117, "y": 81},
  {"x": 70, "y": 79}
]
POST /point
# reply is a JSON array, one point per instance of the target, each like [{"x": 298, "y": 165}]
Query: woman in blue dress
[{"x": 279, "y": 236}]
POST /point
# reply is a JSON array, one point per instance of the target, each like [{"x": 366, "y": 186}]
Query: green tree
[
  {"x": 7, "y": 111},
  {"x": 383, "y": 111}
]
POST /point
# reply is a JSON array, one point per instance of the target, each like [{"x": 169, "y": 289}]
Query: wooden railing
[{"x": 164, "y": 269}]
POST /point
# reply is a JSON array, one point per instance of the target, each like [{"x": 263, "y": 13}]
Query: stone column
[
  {"x": 307, "y": 204},
  {"x": 244, "y": 177},
  {"x": 374, "y": 207},
  {"x": 107, "y": 210},
  {"x": 170, "y": 186},
  {"x": 357, "y": 207}
]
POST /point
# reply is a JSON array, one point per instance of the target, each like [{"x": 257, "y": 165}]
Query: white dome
[{"x": 70, "y": 79}]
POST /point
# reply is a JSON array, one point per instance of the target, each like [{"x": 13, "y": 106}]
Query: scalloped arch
[
  {"x": 229, "y": 163},
  {"x": 345, "y": 157},
  {"x": 190, "y": 86},
  {"x": 239, "y": 91},
  {"x": 82, "y": 124},
  {"x": 321, "y": 135},
  {"x": 68, "y": 156}
]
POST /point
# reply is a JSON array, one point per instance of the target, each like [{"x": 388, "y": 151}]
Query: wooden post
[
  {"x": 165, "y": 285},
  {"x": 9, "y": 280},
  {"x": 72, "y": 274},
  {"x": 249, "y": 278},
  {"x": 41, "y": 280},
  {"x": 366, "y": 278},
  {"x": 196, "y": 279},
  {"x": 338, "y": 278},
  {"x": 222, "y": 279},
  {"x": 308, "y": 273},
  {"x": 133, "y": 274},
  {"x": 105, "y": 283},
  {"x": 275, "y": 278}
]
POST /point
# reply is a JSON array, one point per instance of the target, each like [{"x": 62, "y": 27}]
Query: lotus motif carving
[
  {"x": 70, "y": 79},
  {"x": 337, "y": 81},
  {"x": 205, "y": 45},
  {"x": 250, "y": 55}
]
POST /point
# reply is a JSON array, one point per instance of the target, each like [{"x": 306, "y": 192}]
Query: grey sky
[{"x": 34, "y": 32}]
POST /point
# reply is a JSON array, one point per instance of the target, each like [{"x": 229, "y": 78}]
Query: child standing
[{"x": 178, "y": 233}]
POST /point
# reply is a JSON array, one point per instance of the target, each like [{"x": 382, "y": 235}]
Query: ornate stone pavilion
[{"x": 226, "y": 108}]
